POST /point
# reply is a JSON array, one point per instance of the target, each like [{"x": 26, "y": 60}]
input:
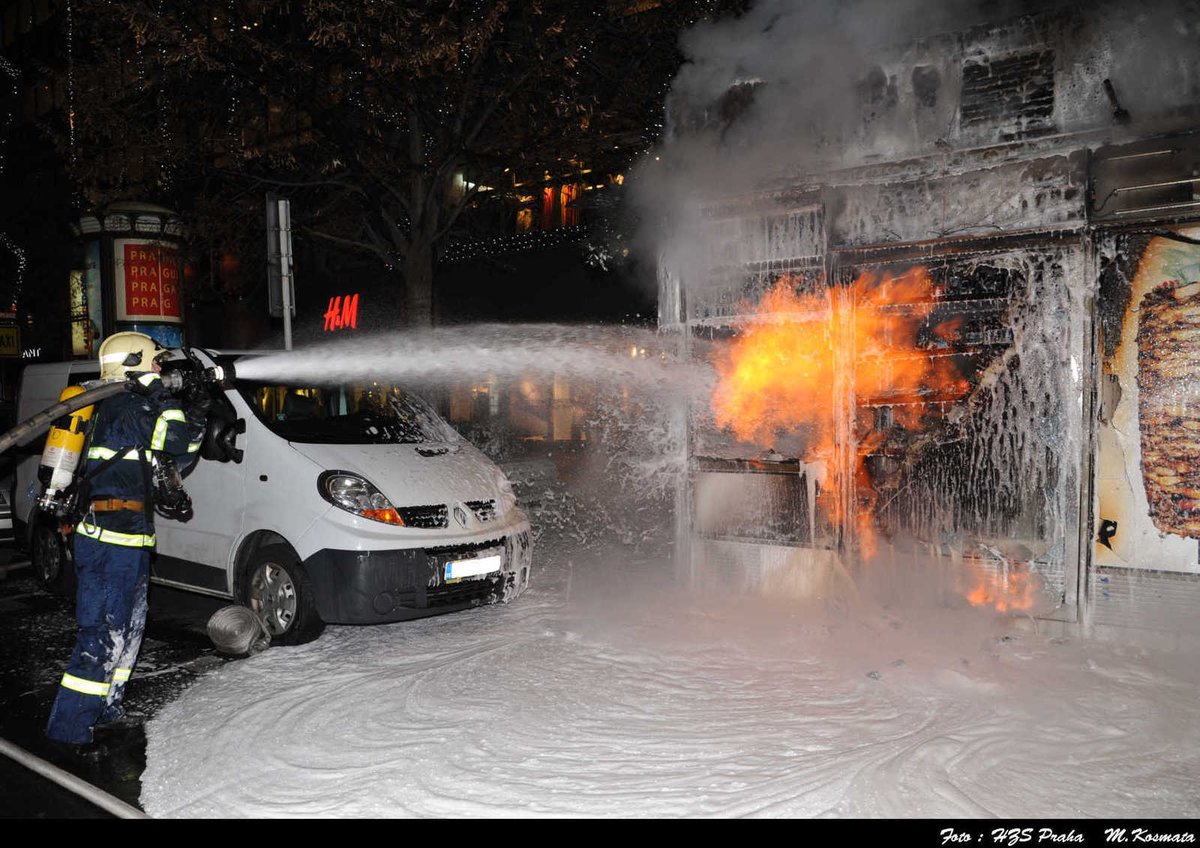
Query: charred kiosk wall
[{"x": 996, "y": 150}]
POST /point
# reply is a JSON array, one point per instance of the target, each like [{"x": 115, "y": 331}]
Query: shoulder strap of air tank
[
  {"x": 117, "y": 456},
  {"x": 147, "y": 484},
  {"x": 87, "y": 444},
  {"x": 89, "y": 428},
  {"x": 81, "y": 479}
]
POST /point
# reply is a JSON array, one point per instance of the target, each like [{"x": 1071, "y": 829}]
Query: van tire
[
  {"x": 276, "y": 586},
  {"x": 50, "y": 556}
]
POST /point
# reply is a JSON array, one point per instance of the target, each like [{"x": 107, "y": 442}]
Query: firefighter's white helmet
[{"x": 121, "y": 353}]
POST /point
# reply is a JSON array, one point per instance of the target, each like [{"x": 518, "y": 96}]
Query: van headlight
[
  {"x": 356, "y": 494},
  {"x": 507, "y": 499}
]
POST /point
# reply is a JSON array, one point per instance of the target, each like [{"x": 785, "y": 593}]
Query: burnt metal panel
[
  {"x": 1013, "y": 93},
  {"x": 745, "y": 254},
  {"x": 774, "y": 570},
  {"x": 1154, "y": 600},
  {"x": 1027, "y": 196},
  {"x": 750, "y": 501},
  {"x": 1149, "y": 180}
]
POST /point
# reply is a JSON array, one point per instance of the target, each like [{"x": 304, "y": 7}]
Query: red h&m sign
[
  {"x": 147, "y": 281},
  {"x": 342, "y": 313}
]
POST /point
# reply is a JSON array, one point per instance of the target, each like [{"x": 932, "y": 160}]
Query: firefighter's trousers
[{"x": 113, "y": 570}]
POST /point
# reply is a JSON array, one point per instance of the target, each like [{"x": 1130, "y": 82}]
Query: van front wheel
[{"x": 277, "y": 587}]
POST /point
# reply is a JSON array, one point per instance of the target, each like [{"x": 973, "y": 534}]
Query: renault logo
[{"x": 460, "y": 516}]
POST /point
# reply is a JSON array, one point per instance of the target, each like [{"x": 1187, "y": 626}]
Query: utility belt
[
  {"x": 124, "y": 539},
  {"x": 116, "y": 504}
]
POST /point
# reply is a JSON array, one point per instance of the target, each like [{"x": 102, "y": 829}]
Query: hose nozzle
[
  {"x": 217, "y": 375},
  {"x": 221, "y": 376}
]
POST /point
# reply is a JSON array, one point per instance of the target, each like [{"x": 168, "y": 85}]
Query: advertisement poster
[
  {"x": 87, "y": 304},
  {"x": 80, "y": 339},
  {"x": 10, "y": 340},
  {"x": 147, "y": 281},
  {"x": 1147, "y": 504},
  {"x": 93, "y": 297}
]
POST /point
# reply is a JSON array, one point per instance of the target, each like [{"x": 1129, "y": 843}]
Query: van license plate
[{"x": 461, "y": 569}]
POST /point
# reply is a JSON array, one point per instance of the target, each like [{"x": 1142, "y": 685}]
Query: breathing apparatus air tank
[{"x": 64, "y": 449}]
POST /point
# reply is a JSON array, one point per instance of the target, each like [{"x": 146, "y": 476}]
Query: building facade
[{"x": 994, "y": 265}]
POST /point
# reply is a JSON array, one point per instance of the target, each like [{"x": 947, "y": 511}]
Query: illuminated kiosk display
[{"x": 131, "y": 276}]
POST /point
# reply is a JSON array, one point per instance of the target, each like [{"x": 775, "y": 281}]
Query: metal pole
[
  {"x": 285, "y": 269},
  {"x": 65, "y": 779}
]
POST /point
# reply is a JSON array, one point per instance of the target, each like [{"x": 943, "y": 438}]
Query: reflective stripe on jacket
[
  {"x": 153, "y": 421},
  {"x": 114, "y": 537}
]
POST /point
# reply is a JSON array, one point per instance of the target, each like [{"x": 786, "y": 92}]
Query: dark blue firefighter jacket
[{"x": 126, "y": 423}]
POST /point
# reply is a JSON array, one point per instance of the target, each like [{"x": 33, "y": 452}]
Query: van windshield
[{"x": 346, "y": 414}]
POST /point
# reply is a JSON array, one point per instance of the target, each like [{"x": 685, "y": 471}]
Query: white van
[{"x": 317, "y": 504}]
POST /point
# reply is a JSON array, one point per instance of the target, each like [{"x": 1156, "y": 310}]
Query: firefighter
[{"x": 114, "y": 539}]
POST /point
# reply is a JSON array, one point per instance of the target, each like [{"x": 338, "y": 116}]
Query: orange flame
[
  {"x": 1013, "y": 589},
  {"x": 802, "y": 357}
]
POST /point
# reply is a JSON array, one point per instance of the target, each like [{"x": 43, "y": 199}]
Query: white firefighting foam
[{"x": 604, "y": 693}]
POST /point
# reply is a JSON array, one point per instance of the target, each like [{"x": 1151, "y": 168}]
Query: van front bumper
[{"x": 375, "y": 587}]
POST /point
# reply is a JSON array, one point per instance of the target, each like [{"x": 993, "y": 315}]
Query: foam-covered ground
[{"x": 606, "y": 691}]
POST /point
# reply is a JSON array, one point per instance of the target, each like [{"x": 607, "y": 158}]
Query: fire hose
[
  {"x": 174, "y": 380},
  {"x": 24, "y": 432}
]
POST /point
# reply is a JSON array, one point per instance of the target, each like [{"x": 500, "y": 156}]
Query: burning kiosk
[{"x": 971, "y": 353}]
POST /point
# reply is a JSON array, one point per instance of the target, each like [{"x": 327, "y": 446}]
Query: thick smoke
[
  {"x": 860, "y": 95},
  {"x": 789, "y": 91}
]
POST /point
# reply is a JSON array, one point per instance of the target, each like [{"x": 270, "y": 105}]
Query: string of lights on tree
[
  {"x": 140, "y": 42},
  {"x": 235, "y": 141},
  {"x": 165, "y": 164},
  {"x": 12, "y": 247},
  {"x": 71, "y": 150},
  {"x": 467, "y": 249}
]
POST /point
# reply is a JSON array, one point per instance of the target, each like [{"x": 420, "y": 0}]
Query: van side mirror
[
  {"x": 220, "y": 439},
  {"x": 229, "y": 438}
]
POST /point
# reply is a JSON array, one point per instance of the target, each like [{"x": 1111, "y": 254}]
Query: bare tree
[{"x": 389, "y": 118}]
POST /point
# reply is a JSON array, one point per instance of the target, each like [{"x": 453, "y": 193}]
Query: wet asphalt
[{"x": 37, "y": 633}]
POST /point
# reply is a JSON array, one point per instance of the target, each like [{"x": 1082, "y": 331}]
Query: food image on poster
[
  {"x": 1168, "y": 341},
  {"x": 1147, "y": 461}
]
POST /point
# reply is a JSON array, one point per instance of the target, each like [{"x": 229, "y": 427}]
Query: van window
[{"x": 346, "y": 414}]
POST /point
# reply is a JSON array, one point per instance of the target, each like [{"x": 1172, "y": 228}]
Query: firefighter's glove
[{"x": 198, "y": 407}]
